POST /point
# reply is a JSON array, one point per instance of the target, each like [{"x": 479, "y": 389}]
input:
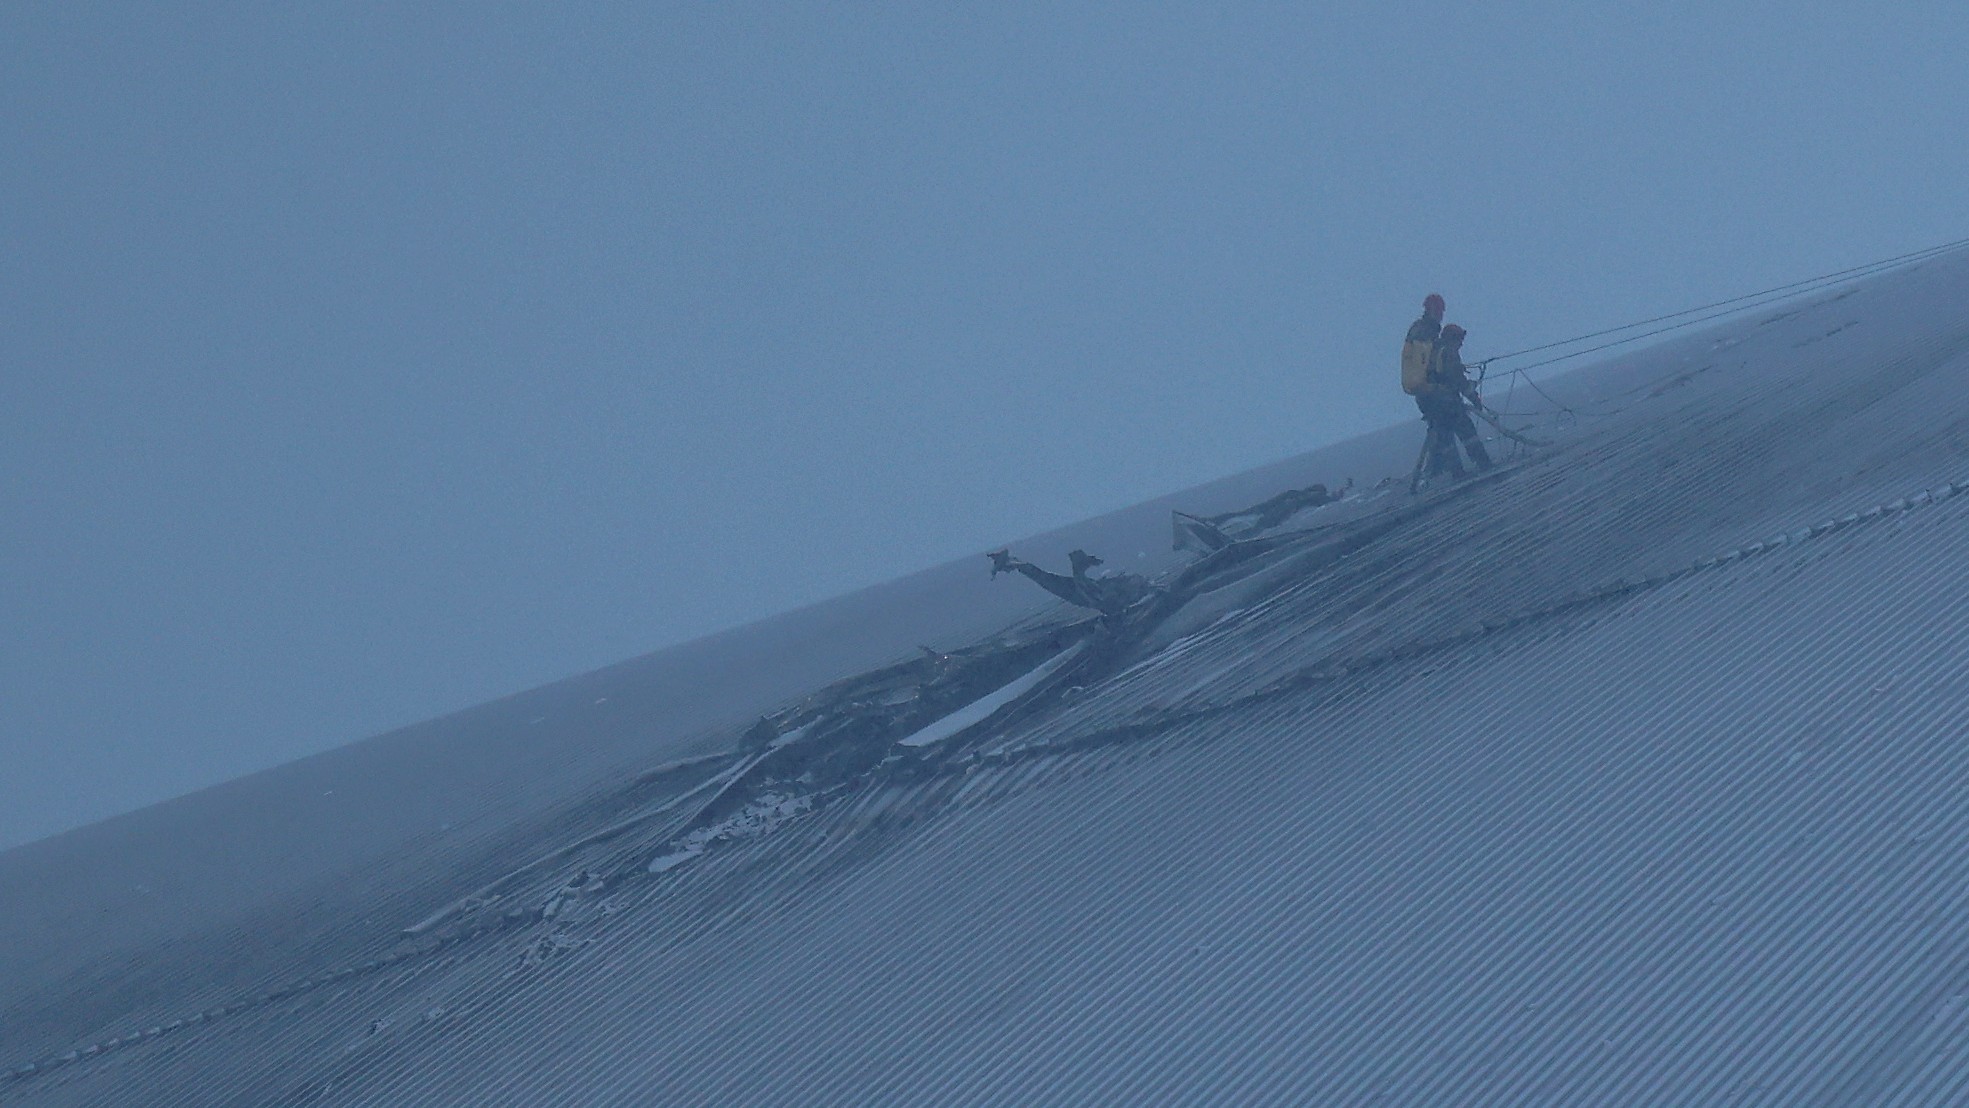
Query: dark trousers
[{"x": 1448, "y": 422}]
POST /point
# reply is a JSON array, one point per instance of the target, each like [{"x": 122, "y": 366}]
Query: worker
[
  {"x": 1419, "y": 347},
  {"x": 1442, "y": 404}
]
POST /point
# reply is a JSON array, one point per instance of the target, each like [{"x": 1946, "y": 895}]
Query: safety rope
[
  {"x": 1510, "y": 391},
  {"x": 1703, "y": 313},
  {"x": 1776, "y": 293}
]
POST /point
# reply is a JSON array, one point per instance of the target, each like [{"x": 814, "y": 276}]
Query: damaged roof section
[{"x": 1626, "y": 772}]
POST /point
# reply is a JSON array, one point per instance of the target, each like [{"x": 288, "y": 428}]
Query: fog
[{"x": 364, "y": 364}]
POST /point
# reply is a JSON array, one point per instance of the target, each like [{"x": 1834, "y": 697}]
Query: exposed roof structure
[{"x": 1630, "y": 772}]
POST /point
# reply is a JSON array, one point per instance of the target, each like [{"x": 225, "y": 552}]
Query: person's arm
[{"x": 1460, "y": 374}]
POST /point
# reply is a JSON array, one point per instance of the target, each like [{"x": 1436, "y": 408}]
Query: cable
[
  {"x": 1834, "y": 277},
  {"x": 1778, "y": 293},
  {"x": 1644, "y": 335},
  {"x": 1732, "y": 306}
]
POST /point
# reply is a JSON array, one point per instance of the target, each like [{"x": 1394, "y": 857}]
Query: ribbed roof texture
[{"x": 1633, "y": 774}]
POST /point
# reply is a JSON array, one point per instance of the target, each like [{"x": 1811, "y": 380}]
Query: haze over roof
[
  {"x": 360, "y": 367},
  {"x": 1631, "y": 773}
]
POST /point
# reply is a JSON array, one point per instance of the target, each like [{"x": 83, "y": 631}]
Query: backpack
[{"x": 1416, "y": 356}]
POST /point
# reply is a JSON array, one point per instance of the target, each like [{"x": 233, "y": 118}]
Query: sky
[{"x": 363, "y": 362}]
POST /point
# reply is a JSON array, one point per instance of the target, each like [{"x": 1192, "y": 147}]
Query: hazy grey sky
[{"x": 361, "y": 362}]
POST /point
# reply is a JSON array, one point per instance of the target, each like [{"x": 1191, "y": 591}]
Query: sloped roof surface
[{"x": 1631, "y": 773}]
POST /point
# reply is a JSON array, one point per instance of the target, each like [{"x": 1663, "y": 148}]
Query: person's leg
[
  {"x": 1443, "y": 459},
  {"x": 1422, "y": 460},
  {"x": 1442, "y": 430},
  {"x": 1466, "y": 429}
]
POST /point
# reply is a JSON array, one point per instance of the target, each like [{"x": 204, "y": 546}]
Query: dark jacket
[{"x": 1448, "y": 373}]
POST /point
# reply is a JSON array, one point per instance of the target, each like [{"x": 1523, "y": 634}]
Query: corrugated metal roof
[{"x": 1634, "y": 775}]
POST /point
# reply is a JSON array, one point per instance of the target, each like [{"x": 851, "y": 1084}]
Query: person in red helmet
[
  {"x": 1419, "y": 347},
  {"x": 1442, "y": 407}
]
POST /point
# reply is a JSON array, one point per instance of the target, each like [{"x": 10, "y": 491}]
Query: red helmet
[
  {"x": 1433, "y": 303},
  {"x": 1454, "y": 333}
]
